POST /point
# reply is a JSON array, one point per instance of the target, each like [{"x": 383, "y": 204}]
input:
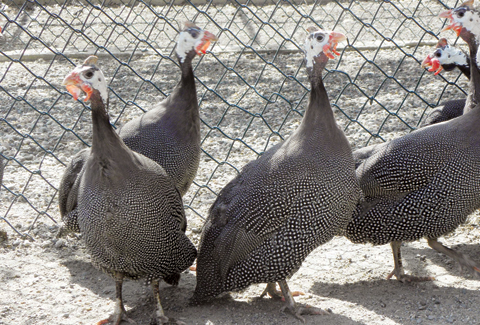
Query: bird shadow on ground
[
  {"x": 387, "y": 297},
  {"x": 255, "y": 310},
  {"x": 86, "y": 275},
  {"x": 140, "y": 302}
]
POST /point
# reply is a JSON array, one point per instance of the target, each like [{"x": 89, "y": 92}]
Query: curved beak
[
  {"x": 456, "y": 27},
  {"x": 71, "y": 82},
  {"x": 202, "y": 47},
  {"x": 331, "y": 47},
  {"x": 427, "y": 62},
  {"x": 75, "y": 85},
  {"x": 446, "y": 14}
]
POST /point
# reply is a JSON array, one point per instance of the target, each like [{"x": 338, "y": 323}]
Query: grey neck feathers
[
  {"x": 183, "y": 102},
  {"x": 187, "y": 80},
  {"x": 474, "y": 86},
  {"x": 319, "y": 114},
  {"x": 465, "y": 69},
  {"x": 105, "y": 139}
]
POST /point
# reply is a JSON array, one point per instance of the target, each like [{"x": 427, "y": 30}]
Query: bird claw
[
  {"x": 308, "y": 310},
  {"x": 62, "y": 232},
  {"x": 405, "y": 278},
  {"x": 272, "y": 291},
  {"x": 158, "y": 320},
  {"x": 117, "y": 319},
  {"x": 467, "y": 264}
]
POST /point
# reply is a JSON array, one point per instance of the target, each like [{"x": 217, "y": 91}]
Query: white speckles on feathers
[{"x": 452, "y": 55}]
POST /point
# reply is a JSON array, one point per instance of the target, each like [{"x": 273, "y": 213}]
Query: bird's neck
[
  {"x": 465, "y": 69},
  {"x": 319, "y": 114},
  {"x": 473, "y": 97},
  {"x": 187, "y": 81},
  {"x": 104, "y": 139},
  {"x": 182, "y": 102}
]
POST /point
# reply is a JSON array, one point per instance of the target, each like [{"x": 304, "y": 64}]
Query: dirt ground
[{"x": 51, "y": 281}]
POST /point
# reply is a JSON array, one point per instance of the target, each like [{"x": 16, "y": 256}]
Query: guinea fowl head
[
  {"x": 86, "y": 77},
  {"x": 463, "y": 19},
  {"x": 321, "y": 45},
  {"x": 445, "y": 57},
  {"x": 193, "y": 40}
]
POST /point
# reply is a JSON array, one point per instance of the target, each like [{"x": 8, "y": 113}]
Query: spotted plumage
[
  {"x": 128, "y": 210},
  {"x": 169, "y": 133},
  {"x": 446, "y": 58},
  {"x": 293, "y": 198},
  {"x": 424, "y": 184}
]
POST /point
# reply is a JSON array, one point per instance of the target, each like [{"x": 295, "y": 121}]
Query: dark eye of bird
[
  {"x": 461, "y": 14},
  {"x": 89, "y": 74},
  {"x": 194, "y": 33},
  {"x": 319, "y": 38},
  {"x": 438, "y": 54}
]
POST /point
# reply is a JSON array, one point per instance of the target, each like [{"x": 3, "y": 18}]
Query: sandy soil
[{"x": 51, "y": 281}]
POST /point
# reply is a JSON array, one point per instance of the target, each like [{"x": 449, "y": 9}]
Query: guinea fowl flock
[{"x": 124, "y": 194}]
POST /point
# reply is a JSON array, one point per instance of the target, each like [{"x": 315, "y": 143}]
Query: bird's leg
[
  {"x": 462, "y": 259},
  {"x": 272, "y": 291},
  {"x": 292, "y": 306},
  {"x": 158, "y": 315},
  {"x": 397, "y": 259},
  {"x": 398, "y": 270},
  {"x": 119, "y": 313}
]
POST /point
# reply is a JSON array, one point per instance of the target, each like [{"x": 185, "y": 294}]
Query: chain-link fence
[{"x": 252, "y": 86}]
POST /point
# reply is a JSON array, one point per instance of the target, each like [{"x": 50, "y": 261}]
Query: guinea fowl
[
  {"x": 466, "y": 23},
  {"x": 168, "y": 134},
  {"x": 414, "y": 188},
  {"x": 293, "y": 198},
  {"x": 446, "y": 58},
  {"x": 128, "y": 210}
]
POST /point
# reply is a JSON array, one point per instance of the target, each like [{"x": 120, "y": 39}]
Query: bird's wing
[
  {"x": 408, "y": 163},
  {"x": 68, "y": 190},
  {"x": 244, "y": 221}
]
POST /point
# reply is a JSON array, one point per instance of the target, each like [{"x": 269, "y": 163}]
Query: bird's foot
[
  {"x": 464, "y": 261},
  {"x": 307, "y": 310},
  {"x": 467, "y": 264},
  {"x": 405, "y": 278},
  {"x": 117, "y": 319},
  {"x": 272, "y": 291},
  {"x": 162, "y": 319},
  {"x": 62, "y": 232}
]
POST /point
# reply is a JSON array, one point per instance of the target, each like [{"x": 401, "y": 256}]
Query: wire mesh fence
[{"x": 251, "y": 85}]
